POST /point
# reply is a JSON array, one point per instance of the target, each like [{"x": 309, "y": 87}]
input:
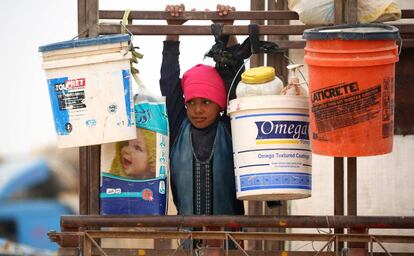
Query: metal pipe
[{"x": 357, "y": 222}]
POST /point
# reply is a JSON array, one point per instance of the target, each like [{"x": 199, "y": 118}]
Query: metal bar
[
  {"x": 339, "y": 12},
  {"x": 87, "y": 246},
  {"x": 257, "y": 59},
  {"x": 105, "y": 29},
  {"x": 92, "y": 240},
  {"x": 351, "y": 11},
  {"x": 339, "y": 194},
  {"x": 81, "y": 16},
  {"x": 268, "y": 236},
  {"x": 94, "y": 160},
  {"x": 92, "y": 10},
  {"x": 256, "y": 207},
  {"x": 83, "y": 161},
  {"x": 257, "y": 14},
  {"x": 279, "y": 62},
  {"x": 383, "y": 222},
  {"x": 152, "y": 252},
  {"x": 408, "y": 13},
  {"x": 352, "y": 185},
  {"x": 93, "y": 152},
  {"x": 83, "y": 181}
]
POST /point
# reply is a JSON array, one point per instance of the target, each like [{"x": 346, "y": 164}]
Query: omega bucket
[
  {"x": 90, "y": 90},
  {"x": 351, "y": 86},
  {"x": 272, "y": 155}
]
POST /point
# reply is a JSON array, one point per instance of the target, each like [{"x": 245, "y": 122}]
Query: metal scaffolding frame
[{"x": 82, "y": 232}]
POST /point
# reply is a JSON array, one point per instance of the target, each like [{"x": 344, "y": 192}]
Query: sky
[{"x": 25, "y": 110}]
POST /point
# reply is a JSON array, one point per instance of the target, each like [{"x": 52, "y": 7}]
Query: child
[
  {"x": 201, "y": 155},
  {"x": 136, "y": 158}
]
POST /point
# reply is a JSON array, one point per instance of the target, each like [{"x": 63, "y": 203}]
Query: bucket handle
[
  {"x": 400, "y": 45},
  {"x": 232, "y": 83},
  {"x": 244, "y": 63}
]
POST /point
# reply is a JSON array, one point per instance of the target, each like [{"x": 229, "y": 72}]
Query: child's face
[
  {"x": 134, "y": 158},
  {"x": 202, "y": 112}
]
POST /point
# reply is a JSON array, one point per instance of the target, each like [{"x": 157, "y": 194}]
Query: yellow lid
[{"x": 258, "y": 75}]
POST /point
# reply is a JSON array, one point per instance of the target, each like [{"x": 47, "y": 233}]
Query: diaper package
[{"x": 134, "y": 172}]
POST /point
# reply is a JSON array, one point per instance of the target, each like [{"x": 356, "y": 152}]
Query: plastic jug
[{"x": 259, "y": 81}]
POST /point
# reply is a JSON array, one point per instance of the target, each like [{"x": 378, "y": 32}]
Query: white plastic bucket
[
  {"x": 90, "y": 90},
  {"x": 272, "y": 154}
]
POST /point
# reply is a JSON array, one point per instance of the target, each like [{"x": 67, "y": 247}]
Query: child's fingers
[
  {"x": 181, "y": 8},
  {"x": 176, "y": 10}
]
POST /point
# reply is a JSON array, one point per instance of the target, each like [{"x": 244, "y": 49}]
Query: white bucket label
[
  {"x": 272, "y": 154},
  {"x": 69, "y": 104},
  {"x": 68, "y": 101},
  {"x": 90, "y": 109}
]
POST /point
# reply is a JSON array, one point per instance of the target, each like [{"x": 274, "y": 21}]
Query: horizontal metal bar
[
  {"x": 105, "y": 29},
  {"x": 404, "y": 28},
  {"x": 202, "y": 15},
  {"x": 268, "y": 236},
  {"x": 407, "y": 13},
  {"x": 168, "y": 252},
  {"x": 262, "y": 236},
  {"x": 385, "y": 222},
  {"x": 212, "y": 15}
]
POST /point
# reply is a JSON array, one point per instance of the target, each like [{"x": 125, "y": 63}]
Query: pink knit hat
[{"x": 202, "y": 81}]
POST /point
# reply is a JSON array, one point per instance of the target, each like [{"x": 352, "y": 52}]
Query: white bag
[{"x": 321, "y": 12}]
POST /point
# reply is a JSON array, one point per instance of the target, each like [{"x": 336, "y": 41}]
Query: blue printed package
[{"x": 134, "y": 172}]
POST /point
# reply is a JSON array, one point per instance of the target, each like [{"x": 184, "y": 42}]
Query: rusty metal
[
  {"x": 90, "y": 237},
  {"x": 408, "y": 13},
  {"x": 339, "y": 194},
  {"x": 352, "y": 185},
  {"x": 212, "y": 15},
  {"x": 89, "y": 163},
  {"x": 256, "y": 207},
  {"x": 257, "y": 14},
  {"x": 383, "y": 222},
  {"x": 339, "y": 12},
  {"x": 105, "y": 28},
  {"x": 152, "y": 252},
  {"x": 351, "y": 11},
  {"x": 88, "y": 19},
  {"x": 212, "y": 235},
  {"x": 404, "y": 92}
]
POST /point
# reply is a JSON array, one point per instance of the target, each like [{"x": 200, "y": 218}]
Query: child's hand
[
  {"x": 175, "y": 10},
  {"x": 224, "y": 10}
]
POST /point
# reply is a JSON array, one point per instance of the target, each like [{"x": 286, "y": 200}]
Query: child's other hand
[
  {"x": 175, "y": 10},
  {"x": 223, "y": 10}
]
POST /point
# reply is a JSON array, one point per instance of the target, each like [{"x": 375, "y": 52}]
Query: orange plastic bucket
[{"x": 351, "y": 81}]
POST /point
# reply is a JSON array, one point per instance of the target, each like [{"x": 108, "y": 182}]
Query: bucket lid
[
  {"x": 108, "y": 39},
  {"x": 268, "y": 102},
  {"x": 258, "y": 75},
  {"x": 353, "y": 32}
]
